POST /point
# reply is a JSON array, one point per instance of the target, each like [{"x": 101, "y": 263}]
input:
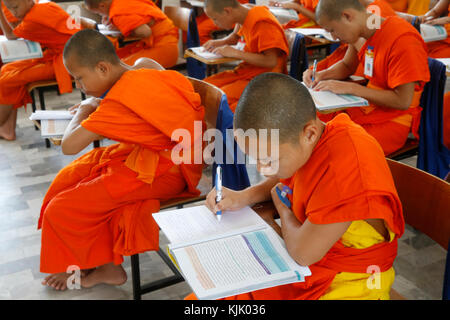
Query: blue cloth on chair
[
  {"x": 299, "y": 57},
  {"x": 234, "y": 176},
  {"x": 433, "y": 157},
  {"x": 195, "y": 68}
]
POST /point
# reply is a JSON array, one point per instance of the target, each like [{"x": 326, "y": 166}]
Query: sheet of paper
[
  {"x": 191, "y": 224},
  {"x": 315, "y": 32},
  {"x": 433, "y": 33},
  {"x": 53, "y": 128},
  {"x": 12, "y": 50},
  {"x": 238, "y": 264},
  {"x": 51, "y": 115},
  {"x": 105, "y": 31},
  {"x": 326, "y": 100}
]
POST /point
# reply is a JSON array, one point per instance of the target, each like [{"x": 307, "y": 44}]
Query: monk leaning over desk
[
  {"x": 265, "y": 48},
  {"x": 395, "y": 64},
  {"x": 45, "y": 23},
  {"x": 345, "y": 215},
  {"x": 142, "y": 19},
  {"x": 98, "y": 209}
]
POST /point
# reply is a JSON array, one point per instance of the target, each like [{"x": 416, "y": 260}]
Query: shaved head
[
  {"x": 219, "y": 5},
  {"x": 89, "y": 47},
  {"x": 332, "y": 9},
  {"x": 275, "y": 101}
]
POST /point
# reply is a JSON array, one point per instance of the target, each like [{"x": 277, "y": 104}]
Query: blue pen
[
  {"x": 282, "y": 194},
  {"x": 218, "y": 190},
  {"x": 314, "y": 70}
]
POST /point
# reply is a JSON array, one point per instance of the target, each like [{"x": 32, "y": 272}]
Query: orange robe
[
  {"x": 400, "y": 58},
  {"x": 206, "y": 26},
  {"x": 261, "y": 31},
  {"x": 45, "y": 23},
  {"x": 440, "y": 49},
  {"x": 161, "y": 46},
  {"x": 399, "y": 5},
  {"x": 303, "y": 21},
  {"x": 99, "y": 207},
  {"x": 414, "y": 7},
  {"x": 345, "y": 179},
  {"x": 339, "y": 53}
]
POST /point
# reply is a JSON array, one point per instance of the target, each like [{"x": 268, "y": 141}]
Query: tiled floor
[{"x": 26, "y": 171}]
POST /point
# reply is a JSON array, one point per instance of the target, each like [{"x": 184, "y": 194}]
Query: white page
[
  {"x": 188, "y": 225},
  {"x": 326, "y": 100},
  {"x": 238, "y": 264},
  {"x": 105, "y": 31},
  {"x": 53, "y": 128},
  {"x": 201, "y": 52},
  {"x": 51, "y": 115},
  {"x": 12, "y": 50},
  {"x": 314, "y": 32},
  {"x": 432, "y": 33}
]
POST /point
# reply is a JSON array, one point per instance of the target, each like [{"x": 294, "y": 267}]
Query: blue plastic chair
[
  {"x": 299, "y": 57},
  {"x": 434, "y": 156},
  {"x": 195, "y": 68}
]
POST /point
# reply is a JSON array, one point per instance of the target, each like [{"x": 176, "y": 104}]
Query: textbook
[
  {"x": 327, "y": 100},
  {"x": 432, "y": 33},
  {"x": 205, "y": 56},
  {"x": 13, "y": 50},
  {"x": 239, "y": 254},
  {"x": 315, "y": 32},
  {"x": 106, "y": 32},
  {"x": 284, "y": 15},
  {"x": 53, "y": 128},
  {"x": 51, "y": 115}
]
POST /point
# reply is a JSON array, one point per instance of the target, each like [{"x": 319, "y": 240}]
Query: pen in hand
[
  {"x": 219, "y": 190},
  {"x": 314, "y": 71}
]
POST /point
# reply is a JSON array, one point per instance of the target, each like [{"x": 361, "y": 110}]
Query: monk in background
[
  {"x": 345, "y": 215},
  {"x": 45, "y": 23},
  {"x": 261, "y": 40},
  {"x": 305, "y": 9},
  {"x": 395, "y": 65},
  {"x": 141, "y": 19},
  {"x": 99, "y": 208}
]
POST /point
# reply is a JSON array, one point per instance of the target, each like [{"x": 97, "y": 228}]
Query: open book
[
  {"x": 12, "y": 50},
  {"x": 53, "y": 122},
  {"x": 106, "y": 32},
  {"x": 284, "y": 15},
  {"x": 432, "y": 33},
  {"x": 327, "y": 100},
  {"x": 315, "y": 32},
  {"x": 239, "y": 254}
]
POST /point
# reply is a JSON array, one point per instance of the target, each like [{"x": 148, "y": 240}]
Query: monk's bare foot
[
  {"x": 109, "y": 273},
  {"x": 57, "y": 281},
  {"x": 8, "y": 129}
]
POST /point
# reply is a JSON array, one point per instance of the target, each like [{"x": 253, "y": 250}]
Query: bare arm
[{"x": 6, "y": 27}]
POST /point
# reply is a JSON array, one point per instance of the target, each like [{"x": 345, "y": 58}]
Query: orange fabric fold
[
  {"x": 260, "y": 32},
  {"x": 98, "y": 208},
  {"x": 45, "y": 23},
  {"x": 161, "y": 46}
]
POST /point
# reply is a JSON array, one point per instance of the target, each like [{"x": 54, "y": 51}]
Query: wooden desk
[{"x": 211, "y": 64}]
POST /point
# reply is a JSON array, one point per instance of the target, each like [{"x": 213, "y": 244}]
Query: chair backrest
[
  {"x": 211, "y": 97},
  {"x": 298, "y": 54},
  {"x": 434, "y": 156},
  {"x": 179, "y": 16},
  {"x": 425, "y": 200}
]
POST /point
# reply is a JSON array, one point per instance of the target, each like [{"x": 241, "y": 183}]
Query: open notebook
[
  {"x": 53, "y": 122},
  {"x": 239, "y": 254},
  {"x": 326, "y": 100},
  {"x": 432, "y": 33},
  {"x": 315, "y": 32},
  {"x": 12, "y": 50}
]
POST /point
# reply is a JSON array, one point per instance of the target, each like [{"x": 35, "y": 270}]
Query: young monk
[
  {"x": 141, "y": 19},
  {"x": 305, "y": 9},
  {"x": 45, "y": 23},
  {"x": 206, "y": 26},
  {"x": 380, "y": 7},
  {"x": 345, "y": 216},
  {"x": 99, "y": 207},
  {"x": 265, "y": 45},
  {"x": 395, "y": 64}
]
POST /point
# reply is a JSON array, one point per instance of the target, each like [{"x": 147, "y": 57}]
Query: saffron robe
[
  {"x": 345, "y": 179},
  {"x": 260, "y": 31},
  {"x": 45, "y": 23},
  {"x": 99, "y": 208},
  {"x": 303, "y": 21},
  {"x": 161, "y": 46}
]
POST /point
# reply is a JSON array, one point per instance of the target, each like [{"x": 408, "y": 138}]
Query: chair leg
[
  {"x": 47, "y": 143},
  {"x": 83, "y": 96},
  {"x": 136, "y": 277},
  {"x": 33, "y": 105},
  {"x": 41, "y": 98},
  {"x": 96, "y": 144}
]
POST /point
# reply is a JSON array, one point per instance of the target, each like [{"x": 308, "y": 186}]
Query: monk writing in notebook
[
  {"x": 377, "y": 7},
  {"x": 143, "y": 20},
  {"x": 98, "y": 208},
  {"x": 343, "y": 217},
  {"x": 395, "y": 64},
  {"x": 304, "y": 8},
  {"x": 261, "y": 44},
  {"x": 45, "y": 23}
]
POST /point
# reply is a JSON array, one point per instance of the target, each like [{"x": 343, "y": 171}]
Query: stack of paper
[
  {"x": 12, "y": 50},
  {"x": 432, "y": 33},
  {"x": 239, "y": 254}
]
